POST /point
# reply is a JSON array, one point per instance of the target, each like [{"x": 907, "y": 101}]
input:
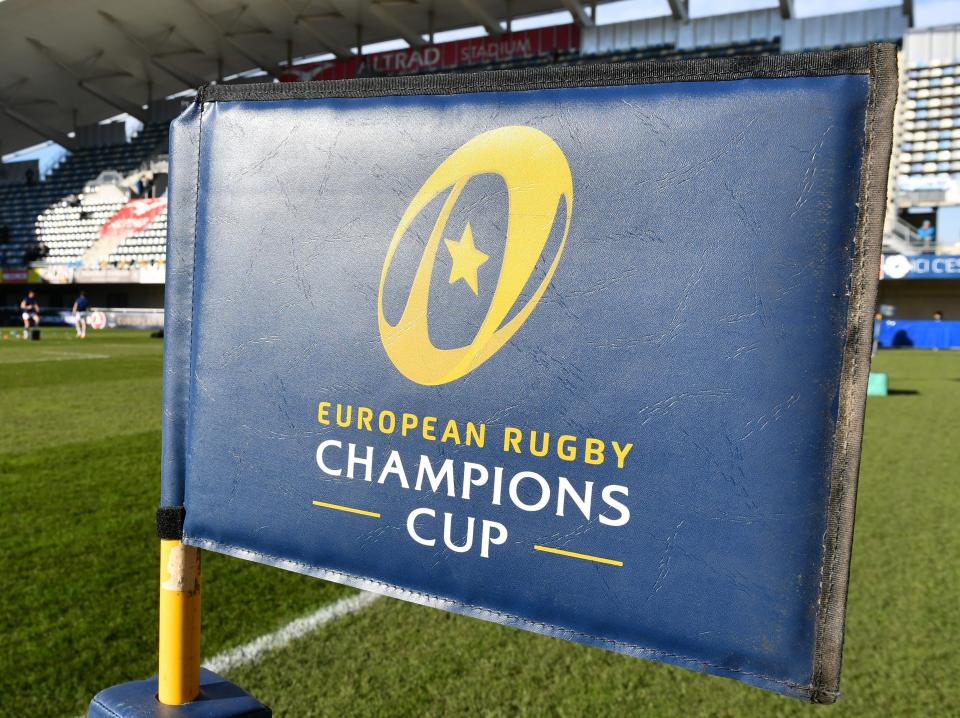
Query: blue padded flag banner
[{"x": 577, "y": 350}]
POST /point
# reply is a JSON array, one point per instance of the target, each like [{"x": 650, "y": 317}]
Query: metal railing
[{"x": 903, "y": 239}]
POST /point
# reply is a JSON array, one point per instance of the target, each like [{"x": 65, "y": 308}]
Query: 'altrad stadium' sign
[{"x": 578, "y": 350}]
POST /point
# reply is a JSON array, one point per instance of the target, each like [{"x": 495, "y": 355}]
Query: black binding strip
[
  {"x": 170, "y": 522},
  {"x": 838, "y": 539},
  {"x": 846, "y": 61}
]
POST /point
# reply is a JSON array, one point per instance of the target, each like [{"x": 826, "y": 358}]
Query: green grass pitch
[{"x": 79, "y": 461}]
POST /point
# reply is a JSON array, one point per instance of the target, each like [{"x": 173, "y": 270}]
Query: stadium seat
[{"x": 38, "y": 215}]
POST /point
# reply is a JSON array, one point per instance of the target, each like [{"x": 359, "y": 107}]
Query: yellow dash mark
[
  {"x": 573, "y": 554},
  {"x": 347, "y": 509}
]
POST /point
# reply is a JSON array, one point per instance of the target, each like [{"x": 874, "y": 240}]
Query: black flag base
[{"x": 219, "y": 698}]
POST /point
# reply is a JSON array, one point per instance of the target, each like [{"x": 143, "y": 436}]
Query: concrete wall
[
  {"x": 920, "y": 298},
  {"x": 932, "y": 46},
  {"x": 61, "y": 296}
]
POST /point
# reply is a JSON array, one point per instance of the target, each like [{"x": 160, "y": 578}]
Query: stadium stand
[
  {"x": 70, "y": 227},
  {"x": 925, "y": 170},
  {"x": 55, "y": 224},
  {"x": 148, "y": 246},
  {"x": 931, "y": 122},
  {"x": 38, "y": 210}
]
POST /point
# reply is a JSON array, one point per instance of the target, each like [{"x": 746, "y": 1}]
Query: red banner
[
  {"x": 445, "y": 56},
  {"x": 134, "y": 217}
]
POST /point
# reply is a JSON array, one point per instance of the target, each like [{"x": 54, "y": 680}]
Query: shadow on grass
[{"x": 902, "y": 392}]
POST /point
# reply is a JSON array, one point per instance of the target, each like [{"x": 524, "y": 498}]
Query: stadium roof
[{"x": 64, "y": 63}]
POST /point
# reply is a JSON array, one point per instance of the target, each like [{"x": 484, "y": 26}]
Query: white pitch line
[
  {"x": 58, "y": 356},
  {"x": 283, "y": 637}
]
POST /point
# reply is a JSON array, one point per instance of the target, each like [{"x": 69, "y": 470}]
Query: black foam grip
[{"x": 170, "y": 522}]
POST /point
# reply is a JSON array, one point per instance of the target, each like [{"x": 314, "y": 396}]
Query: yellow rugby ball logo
[{"x": 537, "y": 176}]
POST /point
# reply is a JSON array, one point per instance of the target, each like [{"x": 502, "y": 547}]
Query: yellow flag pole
[
  {"x": 179, "y": 676},
  {"x": 179, "y": 679}
]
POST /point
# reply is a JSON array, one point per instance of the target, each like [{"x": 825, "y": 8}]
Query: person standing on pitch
[
  {"x": 30, "y": 310},
  {"x": 877, "y": 323},
  {"x": 80, "y": 314}
]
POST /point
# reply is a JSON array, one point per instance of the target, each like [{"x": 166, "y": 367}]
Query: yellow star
[{"x": 466, "y": 259}]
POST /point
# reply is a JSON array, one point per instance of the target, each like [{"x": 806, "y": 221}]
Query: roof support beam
[
  {"x": 45, "y": 131},
  {"x": 680, "y": 9},
  {"x": 388, "y": 18},
  {"x": 271, "y": 68},
  {"x": 187, "y": 78},
  {"x": 786, "y": 9},
  {"x": 86, "y": 83},
  {"x": 908, "y": 11},
  {"x": 114, "y": 101},
  {"x": 308, "y": 23},
  {"x": 482, "y": 17},
  {"x": 579, "y": 12}
]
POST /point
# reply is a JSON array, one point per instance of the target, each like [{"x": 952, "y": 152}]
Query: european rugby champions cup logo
[{"x": 537, "y": 177}]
